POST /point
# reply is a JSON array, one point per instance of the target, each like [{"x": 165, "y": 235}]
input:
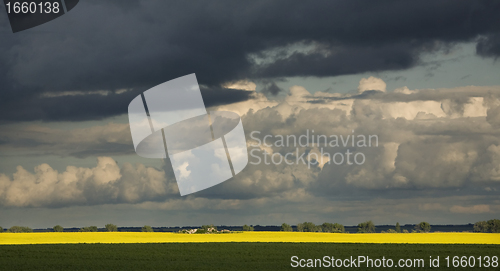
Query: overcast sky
[{"x": 421, "y": 75}]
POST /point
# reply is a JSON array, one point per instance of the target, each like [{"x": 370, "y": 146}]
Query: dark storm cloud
[
  {"x": 344, "y": 61},
  {"x": 272, "y": 88},
  {"x": 108, "y": 45},
  {"x": 215, "y": 96},
  {"x": 64, "y": 108},
  {"x": 489, "y": 46},
  {"x": 96, "y": 106}
]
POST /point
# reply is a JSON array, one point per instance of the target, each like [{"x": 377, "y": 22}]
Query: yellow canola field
[{"x": 144, "y": 237}]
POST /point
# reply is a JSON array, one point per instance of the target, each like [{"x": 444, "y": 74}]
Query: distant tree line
[
  {"x": 364, "y": 227},
  {"x": 492, "y": 226},
  {"x": 369, "y": 227},
  {"x": 108, "y": 227},
  {"x": 286, "y": 227},
  {"x": 17, "y": 229},
  {"x": 147, "y": 228},
  {"x": 311, "y": 227},
  {"x": 423, "y": 227},
  {"x": 111, "y": 227},
  {"x": 89, "y": 229},
  {"x": 247, "y": 228},
  {"x": 58, "y": 228}
]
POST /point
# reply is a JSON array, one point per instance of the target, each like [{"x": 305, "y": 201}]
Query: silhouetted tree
[
  {"x": 111, "y": 227},
  {"x": 247, "y": 228},
  {"x": 366, "y": 227},
  {"x": 398, "y": 228},
  {"x": 423, "y": 227},
  {"x": 494, "y": 225},
  {"x": 332, "y": 227},
  {"x": 58, "y": 228},
  {"x": 89, "y": 229},
  {"x": 338, "y": 227},
  {"x": 17, "y": 229},
  {"x": 481, "y": 226},
  {"x": 147, "y": 228},
  {"x": 300, "y": 227},
  {"x": 286, "y": 227},
  {"x": 308, "y": 227}
]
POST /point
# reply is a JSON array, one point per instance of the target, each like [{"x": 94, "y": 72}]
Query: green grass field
[{"x": 220, "y": 256}]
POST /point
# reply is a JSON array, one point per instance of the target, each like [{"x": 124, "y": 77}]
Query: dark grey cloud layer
[
  {"x": 489, "y": 46},
  {"x": 415, "y": 157},
  {"x": 110, "y": 45},
  {"x": 272, "y": 88},
  {"x": 95, "y": 106}
]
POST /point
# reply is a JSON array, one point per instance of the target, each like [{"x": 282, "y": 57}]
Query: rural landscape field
[
  {"x": 249, "y": 135},
  {"x": 262, "y": 237},
  {"x": 232, "y": 251}
]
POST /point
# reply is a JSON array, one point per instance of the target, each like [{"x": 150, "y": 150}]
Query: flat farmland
[
  {"x": 289, "y": 237},
  {"x": 225, "y": 256},
  {"x": 233, "y": 251}
]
